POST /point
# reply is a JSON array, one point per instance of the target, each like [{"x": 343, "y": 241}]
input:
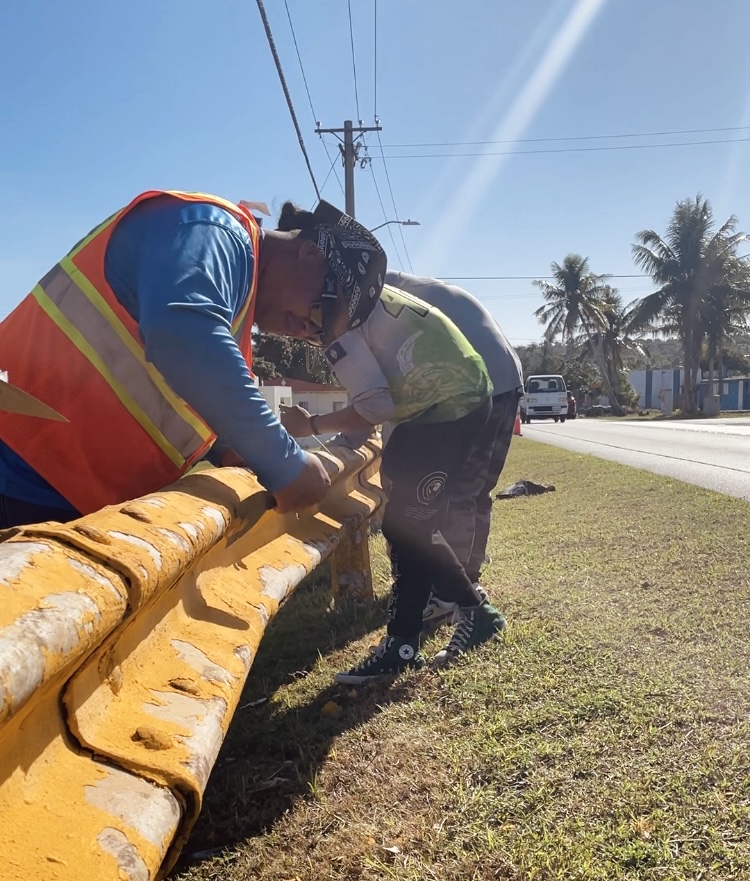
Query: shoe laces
[
  {"x": 462, "y": 633},
  {"x": 376, "y": 652}
]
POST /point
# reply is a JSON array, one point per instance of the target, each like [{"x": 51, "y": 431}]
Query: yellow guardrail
[{"x": 125, "y": 640}]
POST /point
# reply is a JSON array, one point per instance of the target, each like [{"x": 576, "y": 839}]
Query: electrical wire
[
  {"x": 687, "y": 131},
  {"x": 354, "y": 62},
  {"x": 288, "y": 97},
  {"x": 385, "y": 215},
  {"x": 310, "y": 101},
  {"x": 564, "y": 150},
  {"x": 375, "y": 54},
  {"x": 484, "y": 297},
  {"x": 380, "y": 143},
  {"x": 299, "y": 58},
  {"x": 333, "y": 163},
  {"x": 524, "y": 277},
  {"x": 393, "y": 202}
]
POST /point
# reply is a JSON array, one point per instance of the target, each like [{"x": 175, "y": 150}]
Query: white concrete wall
[
  {"x": 321, "y": 402},
  {"x": 275, "y": 395},
  {"x": 313, "y": 402},
  {"x": 637, "y": 379},
  {"x": 662, "y": 393}
]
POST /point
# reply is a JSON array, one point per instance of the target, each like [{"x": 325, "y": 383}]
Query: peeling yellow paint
[
  {"x": 55, "y": 802},
  {"x": 173, "y": 594}
]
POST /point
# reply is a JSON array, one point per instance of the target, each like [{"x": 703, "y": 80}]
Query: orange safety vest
[{"x": 71, "y": 343}]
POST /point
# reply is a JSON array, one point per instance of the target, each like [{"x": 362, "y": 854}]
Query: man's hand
[
  {"x": 308, "y": 488},
  {"x": 353, "y": 440},
  {"x": 296, "y": 420},
  {"x": 230, "y": 459}
]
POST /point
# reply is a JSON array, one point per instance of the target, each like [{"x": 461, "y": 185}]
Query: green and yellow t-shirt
[{"x": 408, "y": 361}]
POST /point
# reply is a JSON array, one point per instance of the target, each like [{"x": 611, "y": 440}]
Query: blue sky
[{"x": 100, "y": 101}]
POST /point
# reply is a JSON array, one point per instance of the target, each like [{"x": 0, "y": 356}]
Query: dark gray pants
[
  {"x": 466, "y": 526},
  {"x": 426, "y": 466}
]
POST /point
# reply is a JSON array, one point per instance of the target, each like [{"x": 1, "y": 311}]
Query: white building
[
  {"x": 276, "y": 395},
  {"x": 658, "y": 389},
  {"x": 314, "y": 397}
]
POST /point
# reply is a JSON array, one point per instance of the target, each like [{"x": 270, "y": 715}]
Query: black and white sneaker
[{"x": 392, "y": 655}]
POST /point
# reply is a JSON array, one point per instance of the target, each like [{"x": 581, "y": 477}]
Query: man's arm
[
  {"x": 299, "y": 423},
  {"x": 189, "y": 280}
]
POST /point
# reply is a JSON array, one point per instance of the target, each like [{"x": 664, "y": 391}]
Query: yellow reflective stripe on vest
[
  {"x": 242, "y": 315},
  {"x": 90, "y": 332},
  {"x": 236, "y": 327},
  {"x": 94, "y": 232},
  {"x": 82, "y": 283},
  {"x": 72, "y": 333}
]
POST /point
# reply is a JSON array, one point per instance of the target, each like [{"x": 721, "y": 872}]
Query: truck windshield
[{"x": 546, "y": 384}]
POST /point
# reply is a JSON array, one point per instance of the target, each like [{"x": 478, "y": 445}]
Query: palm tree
[
  {"x": 574, "y": 304},
  {"x": 725, "y": 314},
  {"x": 691, "y": 265},
  {"x": 617, "y": 337}
]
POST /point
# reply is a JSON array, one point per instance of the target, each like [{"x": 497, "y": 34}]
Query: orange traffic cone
[{"x": 517, "y": 426}]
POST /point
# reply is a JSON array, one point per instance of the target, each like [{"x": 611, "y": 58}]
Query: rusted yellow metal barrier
[{"x": 125, "y": 641}]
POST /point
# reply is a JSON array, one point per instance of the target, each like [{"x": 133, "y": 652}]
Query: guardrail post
[{"x": 351, "y": 576}]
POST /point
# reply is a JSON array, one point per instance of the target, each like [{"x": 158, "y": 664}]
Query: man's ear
[{"x": 309, "y": 252}]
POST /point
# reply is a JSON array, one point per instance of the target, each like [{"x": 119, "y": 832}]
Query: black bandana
[{"x": 355, "y": 258}]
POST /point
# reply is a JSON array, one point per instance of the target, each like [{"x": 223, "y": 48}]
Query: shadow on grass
[{"x": 278, "y": 740}]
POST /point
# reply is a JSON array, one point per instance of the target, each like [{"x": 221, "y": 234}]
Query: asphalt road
[{"x": 713, "y": 453}]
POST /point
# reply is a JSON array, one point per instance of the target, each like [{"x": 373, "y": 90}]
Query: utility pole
[{"x": 349, "y": 153}]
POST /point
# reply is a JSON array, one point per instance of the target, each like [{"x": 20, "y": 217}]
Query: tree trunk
[
  {"x": 721, "y": 375},
  {"x": 545, "y": 355},
  {"x": 697, "y": 351},
  {"x": 598, "y": 352},
  {"x": 687, "y": 402}
]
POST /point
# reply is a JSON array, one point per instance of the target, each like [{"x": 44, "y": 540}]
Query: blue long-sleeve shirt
[{"x": 182, "y": 271}]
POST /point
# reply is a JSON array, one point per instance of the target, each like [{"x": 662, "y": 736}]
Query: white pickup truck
[{"x": 545, "y": 398}]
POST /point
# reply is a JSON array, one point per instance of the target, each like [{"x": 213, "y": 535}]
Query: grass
[{"x": 606, "y": 738}]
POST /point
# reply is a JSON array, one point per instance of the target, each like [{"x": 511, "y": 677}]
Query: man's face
[
  {"x": 300, "y": 326},
  {"x": 336, "y": 321},
  {"x": 286, "y": 306}
]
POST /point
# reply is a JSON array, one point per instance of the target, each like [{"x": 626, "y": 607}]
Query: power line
[
  {"x": 375, "y": 72},
  {"x": 564, "y": 150},
  {"x": 385, "y": 215},
  {"x": 514, "y": 297},
  {"x": 483, "y": 297},
  {"x": 364, "y": 142},
  {"x": 385, "y": 166},
  {"x": 288, "y": 97},
  {"x": 299, "y": 58},
  {"x": 309, "y": 98},
  {"x": 523, "y": 277},
  {"x": 687, "y": 131},
  {"x": 354, "y": 63},
  {"x": 393, "y": 201},
  {"x": 508, "y": 297},
  {"x": 333, "y": 163}
]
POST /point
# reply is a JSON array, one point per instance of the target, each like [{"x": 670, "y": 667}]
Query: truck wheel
[
  {"x": 556, "y": 418},
  {"x": 562, "y": 419}
]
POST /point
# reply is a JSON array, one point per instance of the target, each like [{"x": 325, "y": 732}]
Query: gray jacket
[{"x": 473, "y": 320}]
